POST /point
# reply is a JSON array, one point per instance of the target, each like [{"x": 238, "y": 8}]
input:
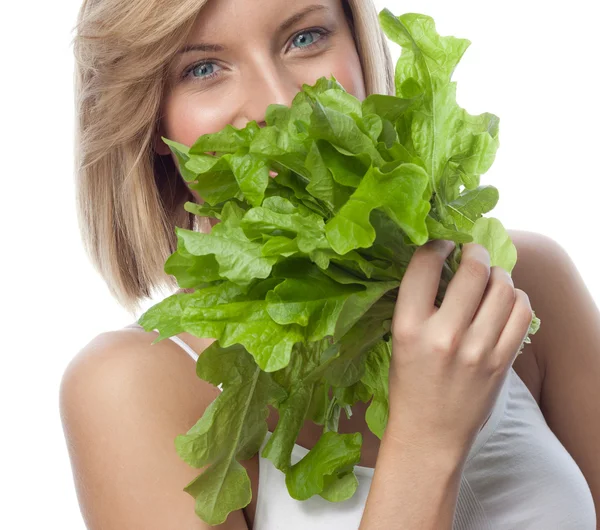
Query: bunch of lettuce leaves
[{"x": 298, "y": 281}]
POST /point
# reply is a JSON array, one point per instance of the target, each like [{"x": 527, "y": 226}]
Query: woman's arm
[
  {"x": 567, "y": 348},
  {"x": 412, "y": 488},
  {"x": 123, "y": 401}
]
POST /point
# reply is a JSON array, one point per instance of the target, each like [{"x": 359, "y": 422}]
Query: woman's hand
[{"x": 448, "y": 364}]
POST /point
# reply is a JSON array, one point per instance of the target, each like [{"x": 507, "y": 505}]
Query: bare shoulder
[
  {"x": 123, "y": 401},
  {"x": 127, "y": 364},
  {"x": 531, "y": 245},
  {"x": 534, "y": 251}
]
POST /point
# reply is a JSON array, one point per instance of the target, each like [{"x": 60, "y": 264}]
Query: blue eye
[
  {"x": 312, "y": 41},
  {"x": 208, "y": 66},
  {"x": 203, "y": 66}
]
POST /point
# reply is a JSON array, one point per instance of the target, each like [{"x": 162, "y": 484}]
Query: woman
[{"x": 466, "y": 444}]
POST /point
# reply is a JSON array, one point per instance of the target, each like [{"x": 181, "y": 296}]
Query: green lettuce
[{"x": 298, "y": 281}]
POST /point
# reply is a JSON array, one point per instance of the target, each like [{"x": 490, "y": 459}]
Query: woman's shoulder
[
  {"x": 121, "y": 372},
  {"x": 127, "y": 359},
  {"x": 123, "y": 401}
]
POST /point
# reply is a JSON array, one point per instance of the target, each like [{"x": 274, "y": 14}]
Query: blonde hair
[{"x": 129, "y": 198}]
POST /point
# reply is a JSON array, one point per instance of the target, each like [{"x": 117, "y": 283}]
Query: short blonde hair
[{"x": 129, "y": 198}]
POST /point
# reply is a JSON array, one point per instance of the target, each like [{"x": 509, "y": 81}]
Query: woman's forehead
[{"x": 225, "y": 20}]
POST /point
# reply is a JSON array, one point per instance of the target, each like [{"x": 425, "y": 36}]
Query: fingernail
[{"x": 443, "y": 245}]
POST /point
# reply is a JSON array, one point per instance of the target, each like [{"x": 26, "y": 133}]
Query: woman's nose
[{"x": 266, "y": 85}]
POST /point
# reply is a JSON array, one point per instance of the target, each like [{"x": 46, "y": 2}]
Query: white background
[{"x": 532, "y": 63}]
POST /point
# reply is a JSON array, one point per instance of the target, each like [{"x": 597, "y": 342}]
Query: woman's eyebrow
[{"x": 205, "y": 47}]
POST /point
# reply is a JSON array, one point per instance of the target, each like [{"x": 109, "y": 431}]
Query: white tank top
[{"x": 518, "y": 476}]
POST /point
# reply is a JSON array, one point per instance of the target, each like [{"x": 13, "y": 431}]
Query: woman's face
[{"x": 243, "y": 56}]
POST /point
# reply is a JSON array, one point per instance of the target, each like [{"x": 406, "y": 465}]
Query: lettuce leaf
[{"x": 298, "y": 281}]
